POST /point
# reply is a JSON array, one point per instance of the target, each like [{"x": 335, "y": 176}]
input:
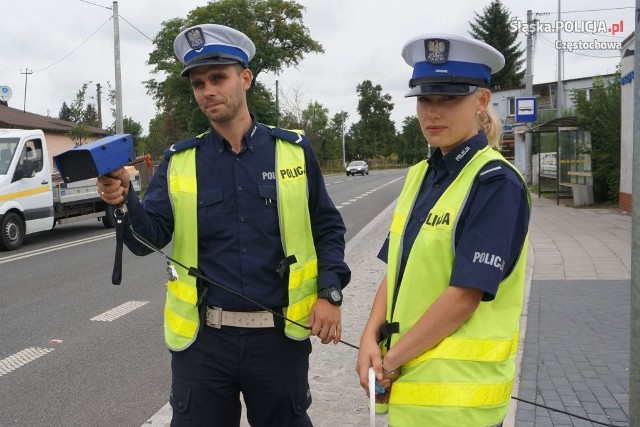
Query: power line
[
  {"x": 134, "y": 27},
  {"x": 591, "y": 10},
  {"x": 76, "y": 49},
  {"x": 95, "y": 4}
]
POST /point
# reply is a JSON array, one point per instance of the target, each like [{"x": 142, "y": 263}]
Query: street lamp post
[{"x": 344, "y": 160}]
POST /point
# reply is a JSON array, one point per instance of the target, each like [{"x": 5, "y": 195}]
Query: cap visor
[
  {"x": 441, "y": 89},
  {"x": 208, "y": 62}
]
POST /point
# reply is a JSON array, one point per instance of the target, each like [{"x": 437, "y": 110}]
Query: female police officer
[{"x": 445, "y": 318}]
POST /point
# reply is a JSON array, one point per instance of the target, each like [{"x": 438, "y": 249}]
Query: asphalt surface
[{"x": 575, "y": 326}]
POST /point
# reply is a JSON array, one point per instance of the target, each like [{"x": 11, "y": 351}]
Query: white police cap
[
  {"x": 212, "y": 44},
  {"x": 449, "y": 64}
]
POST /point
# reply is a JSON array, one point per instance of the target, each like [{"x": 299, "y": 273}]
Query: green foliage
[
  {"x": 79, "y": 134},
  {"x": 315, "y": 120},
  {"x": 65, "y": 113},
  {"x": 375, "y": 133},
  {"x": 79, "y": 111},
  {"x": 90, "y": 116},
  {"x": 601, "y": 115},
  {"x": 262, "y": 104},
  {"x": 132, "y": 127},
  {"x": 275, "y": 27},
  {"x": 492, "y": 27},
  {"x": 412, "y": 147},
  {"x": 83, "y": 114},
  {"x": 156, "y": 142}
]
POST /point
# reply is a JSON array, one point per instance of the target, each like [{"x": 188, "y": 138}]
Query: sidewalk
[
  {"x": 576, "y": 348},
  {"x": 575, "y": 328}
]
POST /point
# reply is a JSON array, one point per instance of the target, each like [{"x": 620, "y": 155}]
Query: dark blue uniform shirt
[
  {"x": 239, "y": 243},
  {"x": 494, "y": 222}
]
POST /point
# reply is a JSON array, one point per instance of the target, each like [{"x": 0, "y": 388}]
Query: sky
[{"x": 66, "y": 43}]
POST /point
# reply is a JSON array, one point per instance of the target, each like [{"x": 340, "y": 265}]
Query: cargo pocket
[
  {"x": 179, "y": 401},
  {"x": 300, "y": 402}
]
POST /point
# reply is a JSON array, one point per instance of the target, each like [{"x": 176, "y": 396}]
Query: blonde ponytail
[{"x": 489, "y": 122}]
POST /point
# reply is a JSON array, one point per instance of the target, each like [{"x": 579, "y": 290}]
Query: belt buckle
[{"x": 214, "y": 317}]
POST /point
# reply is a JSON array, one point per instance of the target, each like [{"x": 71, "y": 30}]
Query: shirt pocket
[
  {"x": 211, "y": 218},
  {"x": 269, "y": 208}
]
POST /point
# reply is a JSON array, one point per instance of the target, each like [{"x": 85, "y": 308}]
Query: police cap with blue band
[
  {"x": 212, "y": 44},
  {"x": 449, "y": 64}
]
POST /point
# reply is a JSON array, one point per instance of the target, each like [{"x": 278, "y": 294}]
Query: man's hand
[
  {"x": 113, "y": 189},
  {"x": 325, "y": 321}
]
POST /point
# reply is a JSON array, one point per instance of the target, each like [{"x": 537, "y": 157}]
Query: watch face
[{"x": 335, "y": 295}]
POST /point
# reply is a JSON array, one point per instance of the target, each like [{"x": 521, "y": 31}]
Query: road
[{"x": 76, "y": 350}]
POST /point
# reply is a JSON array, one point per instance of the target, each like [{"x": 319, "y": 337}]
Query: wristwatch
[{"x": 333, "y": 295}]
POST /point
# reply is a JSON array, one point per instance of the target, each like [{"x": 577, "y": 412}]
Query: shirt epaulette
[
  {"x": 288, "y": 135},
  {"x": 492, "y": 171},
  {"x": 184, "y": 144}
]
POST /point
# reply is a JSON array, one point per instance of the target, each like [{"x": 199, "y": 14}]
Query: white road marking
[
  {"x": 121, "y": 310},
  {"x": 55, "y": 248},
  {"x": 21, "y": 358},
  {"x": 355, "y": 199}
]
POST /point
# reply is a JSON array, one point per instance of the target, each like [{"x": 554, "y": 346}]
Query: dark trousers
[{"x": 269, "y": 369}]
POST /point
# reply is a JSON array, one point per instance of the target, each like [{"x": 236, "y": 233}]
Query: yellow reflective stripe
[
  {"x": 19, "y": 194},
  {"x": 299, "y": 276},
  {"x": 183, "y": 291},
  {"x": 183, "y": 184},
  {"x": 178, "y": 324},
  {"x": 480, "y": 350},
  {"x": 456, "y": 395},
  {"x": 301, "y": 308},
  {"x": 397, "y": 224}
]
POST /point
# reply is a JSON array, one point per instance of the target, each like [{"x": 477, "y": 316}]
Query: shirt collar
[
  {"x": 457, "y": 158},
  {"x": 247, "y": 140}
]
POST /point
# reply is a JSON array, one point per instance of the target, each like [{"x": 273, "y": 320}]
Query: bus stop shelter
[{"x": 563, "y": 160}]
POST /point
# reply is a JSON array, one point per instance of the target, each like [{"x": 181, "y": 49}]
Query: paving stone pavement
[
  {"x": 576, "y": 347},
  {"x": 575, "y": 326}
]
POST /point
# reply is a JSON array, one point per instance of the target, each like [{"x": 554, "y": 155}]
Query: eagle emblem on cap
[
  {"x": 195, "y": 38},
  {"x": 436, "y": 50}
]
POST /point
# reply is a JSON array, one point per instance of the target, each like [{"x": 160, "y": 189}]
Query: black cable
[
  {"x": 564, "y": 412},
  {"x": 194, "y": 272}
]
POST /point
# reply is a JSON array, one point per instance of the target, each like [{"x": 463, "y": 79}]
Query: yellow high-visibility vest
[
  {"x": 466, "y": 379},
  {"x": 181, "y": 319}
]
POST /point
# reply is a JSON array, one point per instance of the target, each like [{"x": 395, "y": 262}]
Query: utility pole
[
  {"x": 26, "y": 77},
  {"x": 344, "y": 159},
  {"x": 559, "y": 88},
  {"x": 99, "y": 98},
  {"x": 116, "y": 53},
  {"x": 277, "y": 106},
  {"x": 634, "y": 353},
  {"x": 528, "y": 93}
]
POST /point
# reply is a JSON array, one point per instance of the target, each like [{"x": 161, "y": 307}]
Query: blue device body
[{"x": 96, "y": 158}]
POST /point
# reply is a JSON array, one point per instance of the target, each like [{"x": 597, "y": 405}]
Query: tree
[
  {"x": 492, "y": 27},
  {"x": 315, "y": 120},
  {"x": 601, "y": 115},
  {"x": 133, "y": 128},
  {"x": 155, "y": 143},
  {"x": 276, "y": 28},
  {"x": 412, "y": 147},
  {"x": 65, "y": 113},
  {"x": 78, "y": 113},
  {"x": 374, "y": 135},
  {"x": 337, "y": 127},
  {"x": 90, "y": 116},
  {"x": 79, "y": 134}
]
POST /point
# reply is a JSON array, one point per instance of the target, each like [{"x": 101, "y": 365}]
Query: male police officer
[{"x": 247, "y": 206}]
